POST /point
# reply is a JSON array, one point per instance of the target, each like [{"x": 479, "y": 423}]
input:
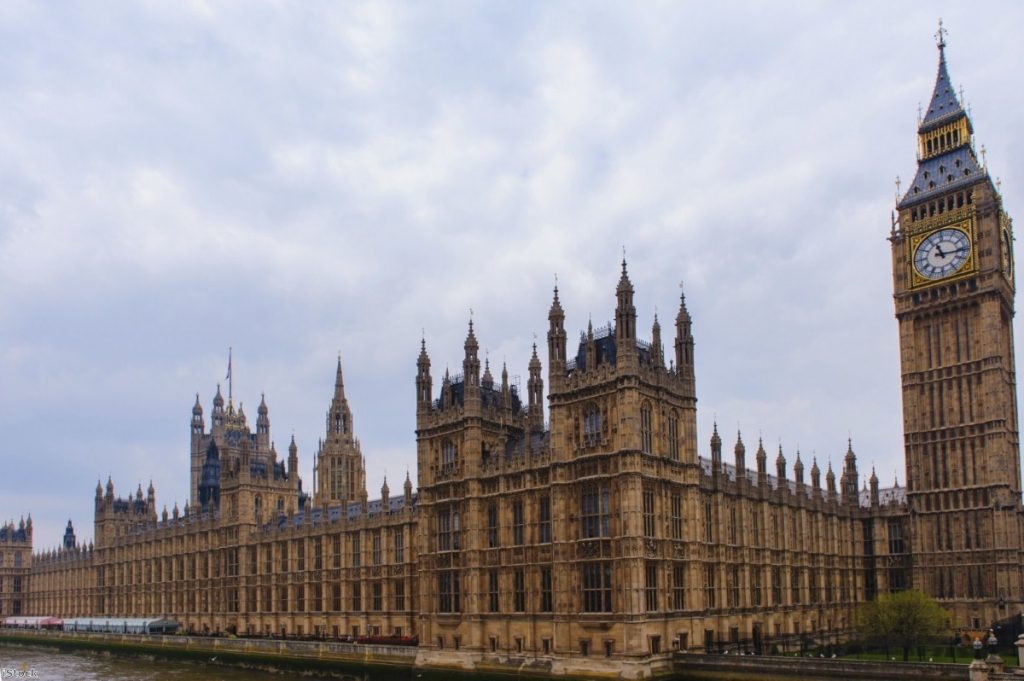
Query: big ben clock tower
[{"x": 953, "y": 282}]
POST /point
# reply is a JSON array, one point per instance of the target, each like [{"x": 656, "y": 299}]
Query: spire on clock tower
[{"x": 946, "y": 156}]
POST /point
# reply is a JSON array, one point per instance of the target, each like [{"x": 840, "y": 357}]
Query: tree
[{"x": 904, "y": 618}]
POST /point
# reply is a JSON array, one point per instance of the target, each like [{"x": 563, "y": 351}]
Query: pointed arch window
[
  {"x": 448, "y": 454},
  {"x": 646, "y": 428},
  {"x": 673, "y": 435},
  {"x": 595, "y": 512},
  {"x": 591, "y": 425}
]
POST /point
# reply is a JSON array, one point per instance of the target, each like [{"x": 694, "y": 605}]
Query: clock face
[{"x": 942, "y": 253}]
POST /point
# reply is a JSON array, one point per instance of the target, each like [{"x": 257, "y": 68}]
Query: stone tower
[
  {"x": 339, "y": 472},
  {"x": 953, "y": 284}
]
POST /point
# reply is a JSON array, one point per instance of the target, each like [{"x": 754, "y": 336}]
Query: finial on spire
[
  {"x": 940, "y": 36},
  {"x": 984, "y": 161}
]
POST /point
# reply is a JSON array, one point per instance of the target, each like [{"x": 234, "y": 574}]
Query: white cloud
[{"x": 295, "y": 181}]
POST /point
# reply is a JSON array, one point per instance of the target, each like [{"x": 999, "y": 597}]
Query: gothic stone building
[
  {"x": 15, "y": 566},
  {"x": 601, "y": 539}
]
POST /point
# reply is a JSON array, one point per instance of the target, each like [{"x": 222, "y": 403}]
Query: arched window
[
  {"x": 646, "y": 429},
  {"x": 591, "y": 425},
  {"x": 673, "y": 435},
  {"x": 448, "y": 454}
]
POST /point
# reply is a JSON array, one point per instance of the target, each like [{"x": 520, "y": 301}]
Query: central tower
[{"x": 953, "y": 284}]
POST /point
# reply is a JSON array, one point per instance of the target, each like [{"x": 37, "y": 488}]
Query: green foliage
[{"x": 903, "y": 619}]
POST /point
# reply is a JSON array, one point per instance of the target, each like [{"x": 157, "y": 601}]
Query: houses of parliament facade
[{"x": 605, "y": 536}]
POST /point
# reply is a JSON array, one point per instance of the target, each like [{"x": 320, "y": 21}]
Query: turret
[
  {"x": 741, "y": 456},
  {"x": 591, "y": 347},
  {"x": 408, "y": 489},
  {"x": 815, "y": 475},
  {"x": 110, "y": 489},
  {"x": 556, "y": 343},
  {"x": 798, "y": 470},
  {"x": 209, "y": 480},
  {"x": 262, "y": 424},
  {"x": 218, "y": 411},
  {"x": 506, "y": 390},
  {"x": 151, "y": 496},
  {"x": 293, "y": 459},
  {"x": 198, "y": 426},
  {"x": 780, "y": 468},
  {"x": 424, "y": 383},
  {"x": 873, "y": 482},
  {"x": 487, "y": 381},
  {"x": 762, "y": 463},
  {"x": 684, "y": 339},
  {"x": 830, "y": 482},
  {"x": 471, "y": 369},
  {"x": 716, "y": 450},
  {"x": 848, "y": 480},
  {"x": 657, "y": 352},
  {"x": 625, "y": 324},
  {"x": 385, "y": 494},
  {"x": 535, "y": 393}
]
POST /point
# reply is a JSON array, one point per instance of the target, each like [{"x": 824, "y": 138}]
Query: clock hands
[{"x": 945, "y": 254}]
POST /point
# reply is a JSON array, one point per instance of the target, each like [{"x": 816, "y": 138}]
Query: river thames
[{"x": 49, "y": 664}]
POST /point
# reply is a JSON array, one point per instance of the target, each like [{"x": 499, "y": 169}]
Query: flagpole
[{"x": 231, "y": 378}]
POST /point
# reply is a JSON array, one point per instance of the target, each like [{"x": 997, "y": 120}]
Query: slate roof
[
  {"x": 954, "y": 168},
  {"x": 886, "y": 496},
  {"x": 944, "y": 105},
  {"x": 943, "y": 173}
]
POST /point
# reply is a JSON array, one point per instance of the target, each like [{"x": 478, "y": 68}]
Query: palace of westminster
[{"x": 601, "y": 535}]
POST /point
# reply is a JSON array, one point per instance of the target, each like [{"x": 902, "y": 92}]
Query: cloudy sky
[{"x": 301, "y": 179}]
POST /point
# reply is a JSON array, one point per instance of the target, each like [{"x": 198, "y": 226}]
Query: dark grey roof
[
  {"x": 886, "y": 496},
  {"x": 944, "y": 105},
  {"x": 939, "y": 174}
]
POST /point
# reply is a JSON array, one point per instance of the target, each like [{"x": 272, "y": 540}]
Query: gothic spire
[
  {"x": 946, "y": 157},
  {"x": 339, "y": 381},
  {"x": 944, "y": 103},
  {"x": 625, "y": 312}
]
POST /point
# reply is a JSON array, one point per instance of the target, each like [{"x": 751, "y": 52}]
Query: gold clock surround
[{"x": 962, "y": 220}]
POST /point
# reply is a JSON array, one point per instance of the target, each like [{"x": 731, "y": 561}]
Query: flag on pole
[{"x": 228, "y": 377}]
